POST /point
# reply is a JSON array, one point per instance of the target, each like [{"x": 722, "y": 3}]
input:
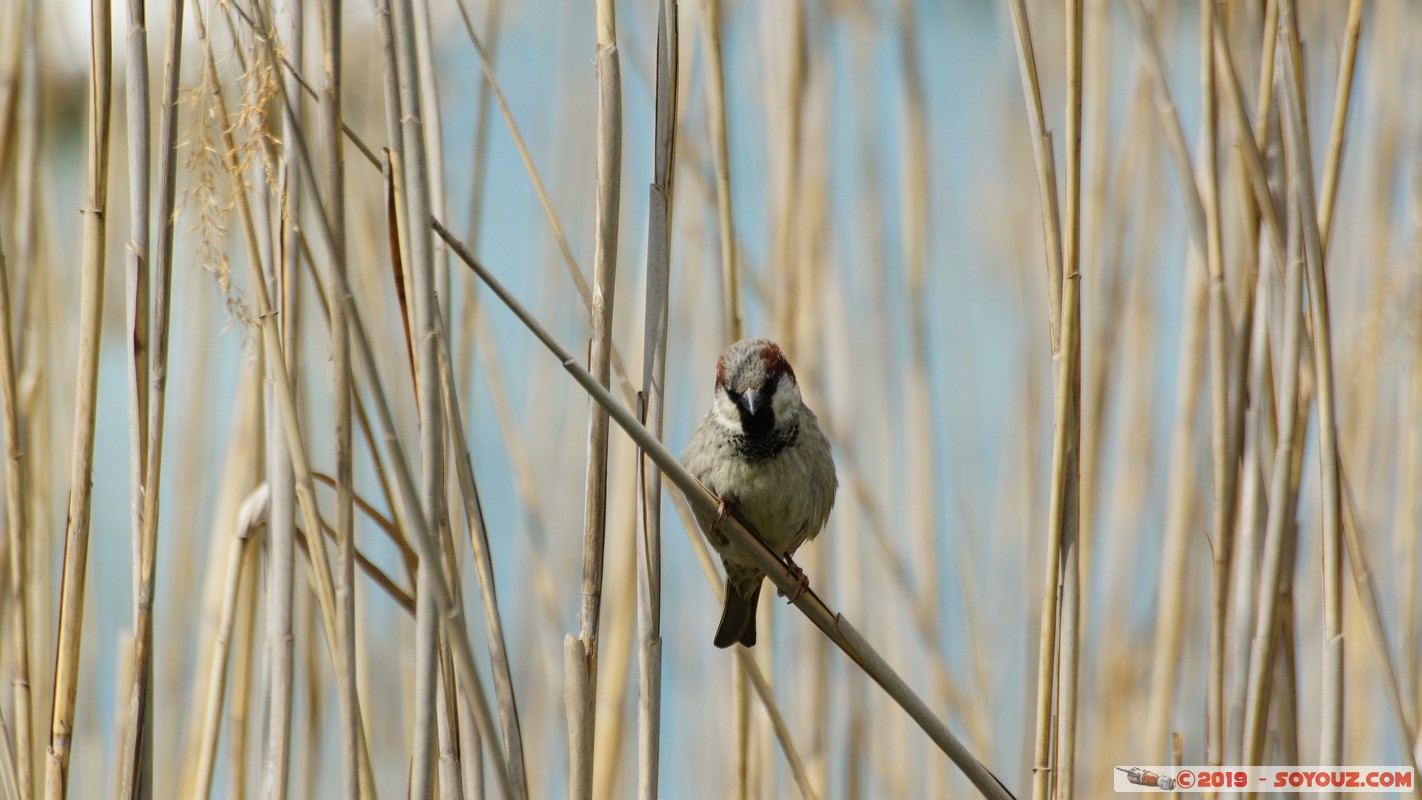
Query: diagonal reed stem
[{"x": 834, "y": 625}]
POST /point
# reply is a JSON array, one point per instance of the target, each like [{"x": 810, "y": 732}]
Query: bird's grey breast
[{"x": 786, "y": 497}]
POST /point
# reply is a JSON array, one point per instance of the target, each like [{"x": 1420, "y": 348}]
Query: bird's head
[{"x": 756, "y": 392}]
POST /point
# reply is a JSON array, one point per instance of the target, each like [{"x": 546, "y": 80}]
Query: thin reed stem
[
  {"x": 272, "y": 350},
  {"x": 1282, "y": 497},
  {"x": 241, "y": 551},
  {"x": 1064, "y": 515},
  {"x": 420, "y": 265},
  {"x": 334, "y": 207},
  {"x": 1046, "y": 168},
  {"x": 1301, "y": 179},
  {"x": 510, "y": 728},
  {"x": 136, "y": 778},
  {"x": 91, "y": 314},
  {"x": 1223, "y": 466},
  {"x": 653, "y": 396},
  {"x": 720, "y": 159},
  {"x": 16, "y": 538},
  {"x": 1333, "y": 163},
  {"x": 582, "y": 691}
]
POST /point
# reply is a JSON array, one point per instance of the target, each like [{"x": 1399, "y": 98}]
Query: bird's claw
[
  {"x": 802, "y": 581},
  {"x": 720, "y": 515}
]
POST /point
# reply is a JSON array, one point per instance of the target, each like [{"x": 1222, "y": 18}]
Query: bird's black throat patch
[
  {"x": 760, "y": 444},
  {"x": 760, "y": 424}
]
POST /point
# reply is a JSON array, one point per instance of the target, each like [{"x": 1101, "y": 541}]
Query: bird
[{"x": 760, "y": 450}]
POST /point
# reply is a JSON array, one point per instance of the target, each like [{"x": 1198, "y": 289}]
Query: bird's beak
[{"x": 752, "y": 401}]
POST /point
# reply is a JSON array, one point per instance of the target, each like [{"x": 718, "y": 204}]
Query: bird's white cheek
[
  {"x": 786, "y": 402},
  {"x": 726, "y": 413}
]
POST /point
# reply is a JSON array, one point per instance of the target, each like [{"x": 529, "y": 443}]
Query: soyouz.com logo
[{"x": 1226, "y": 780}]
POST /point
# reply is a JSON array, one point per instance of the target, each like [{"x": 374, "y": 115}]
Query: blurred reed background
[{"x": 1172, "y": 376}]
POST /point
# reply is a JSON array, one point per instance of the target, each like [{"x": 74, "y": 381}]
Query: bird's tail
[{"x": 738, "y": 617}]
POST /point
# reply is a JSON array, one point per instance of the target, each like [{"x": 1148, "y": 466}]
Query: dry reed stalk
[
  {"x": 653, "y": 396},
  {"x": 1046, "y": 170},
  {"x": 16, "y": 538},
  {"x": 282, "y": 385},
  {"x": 1251, "y": 519},
  {"x": 1284, "y": 709},
  {"x": 239, "y": 470},
  {"x": 1223, "y": 466},
  {"x": 835, "y": 626},
  {"x": 811, "y": 318},
  {"x": 415, "y": 182},
  {"x": 238, "y": 710},
  {"x": 280, "y": 599},
  {"x": 1170, "y": 613},
  {"x": 469, "y": 684},
  {"x": 1101, "y": 257},
  {"x": 314, "y": 721},
  {"x": 1301, "y": 178},
  {"x": 1170, "y": 127},
  {"x": 9, "y": 776},
  {"x": 1064, "y": 515},
  {"x": 790, "y": 267},
  {"x": 281, "y": 480},
  {"x": 583, "y": 689},
  {"x": 1052, "y": 241},
  {"x": 1249, "y": 344},
  {"x": 291, "y": 184},
  {"x": 740, "y": 726},
  {"x": 162, "y": 276},
  {"x": 434, "y": 146},
  {"x": 450, "y": 775},
  {"x": 334, "y": 208},
  {"x": 472, "y": 314},
  {"x": 1332, "y": 165},
  {"x": 720, "y": 158},
  {"x": 510, "y": 729},
  {"x": 388, "y": 526},
  {"x": 1181, "y": 495},
  {"x": 580, "y": 722},
  {"x": 76, "y": 538},
  {"x": 473, "y": 319},
  {"x": 931, "y": 635},
  {"x": 282, "y": 543},
  {"x": 1251, "y": 148},
  {"x": 574, "y": 271},
  {"x": 470, "y": 688},
  {"x": 17, "y": 110},
  {"x": 1273, "y": 579},
  {"x": 394, "y": 150},
  {"x": 402, "y": 598},
  {"x": 10, "y": 87},
  {"x": 616, "y": 638},
  {"x": 921, "y": 494},
  {"x": 1409, "y": 511},
  {"x": 525, "y": 479},
  {"x": 136, "y": 776},
  {"x": 27, "y": 160},
  {"x": 1368, "y": 599},
  {"x": 219, "y": 662}
]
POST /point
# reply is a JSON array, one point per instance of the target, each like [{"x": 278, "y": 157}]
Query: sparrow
[{"x": 760, "y": 450}]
